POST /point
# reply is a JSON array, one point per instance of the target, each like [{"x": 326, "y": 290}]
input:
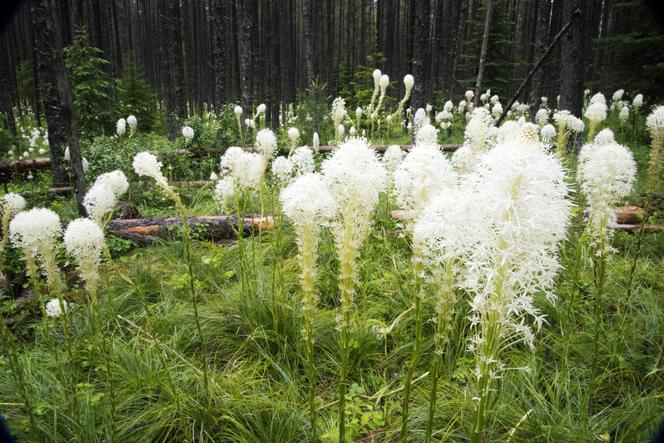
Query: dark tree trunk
[
  {"x": 484, "y": 50},
  {"x": 542, "y": 20},
  {"x": 5, "y": 90},
  {"x": 571, "y": 65},
  {"x": 421, "y": 53},
  {"x": 308, "y": 44},
  {"x": 220, "y": 52},
  {"x": 247, "y": 11},
  {"x": 56, "y": 91}
]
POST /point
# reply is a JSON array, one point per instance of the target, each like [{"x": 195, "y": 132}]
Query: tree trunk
[
  {"x": 56, "y": 91},
  {"x": 421, "y": 53},
  {"x": 571, "y": 65},
  {"x": 483, "y": 51},
  {"x": 308, "y": 44}
]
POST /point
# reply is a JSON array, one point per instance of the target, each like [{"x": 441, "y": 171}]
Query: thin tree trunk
[
  {"x": 571, "y": 65},
  {"x": 56, "y": 90},
  {"x": 485, "y": 48}
]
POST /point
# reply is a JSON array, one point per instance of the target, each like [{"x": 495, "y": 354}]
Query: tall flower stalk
[
  {"x": 146, "y": 164},
  {"x": 655, "y": 124},
  {"x": 606, "y": 173},
  {"x": 447, "y": 234},
  {"x": 355, "y": 178},
  {"x": 525, "y": 213},
  {"x": 36, "y": 233},
  {"x": 308, "y": 205},
  {"x": 84, "y": 241}
]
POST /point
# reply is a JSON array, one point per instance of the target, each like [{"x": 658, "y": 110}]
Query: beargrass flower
[
  {"x": 84, "y": 241},
  {"x": 655, "y": 125},
  {"x": 99, "y": 201},
  {"x": 266, "y": 143},
  {"x": 53, "y": 307},
  {"x": 303, "y": 161},
  {"x": 121, "y": 126},
  {"x": 132, "y": 122},
  {"x": 115, "y": 180},
  {"x": 188, "y": 133}
]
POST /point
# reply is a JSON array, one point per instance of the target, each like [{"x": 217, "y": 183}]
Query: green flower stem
[
  {"x": 418, "y": 269},
  {"x": 561, "y": 142},
  {"x": 186, "y": 235},
  {"x": 347, "y": 255},
  {"x": 487, "y": 354},
  {"x": 308, "y": 245},
  {"x": 444, "y": 307}
]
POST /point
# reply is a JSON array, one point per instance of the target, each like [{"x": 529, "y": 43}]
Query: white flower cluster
[
  {"x": 121, "y": 127},
  {"x": 568, "y": 122},
  {"x": 282, "y": 169},
  {"x": 338, "y": 111},
  {"x": 146, "y": 164},
  {"x": 655, "y": 121},
  {"x": 266, "y": 143},
  {"x": 606, "y": 173},
  {"x": 240, "y": 171},
  {"x": 638, "y": 101},
  {"x": 427, "y": 135},
  {"x": 303, "y": 161},
  {"x": 188, "y": 133},
  {"x": 35, "y": 232},
  {"x": 84, "y": 240},
  {"x": 355, "y": 178},
  {"x": 596, "y": 112},
  {"x": 307, "y": 200},
  {"x": 54, "y": 309},
  {"x": 116, "y": 180},
  {"x": 392, "y": 157},
  {"x": 423, "y": 174},
  {"x": 542, "y": 117},
  {"x": 11, "y": 204},
  {"x": 548, "y": 134},
  {"x": 99, "y": 201}
]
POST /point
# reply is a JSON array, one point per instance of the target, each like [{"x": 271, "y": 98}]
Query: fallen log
[
  {"x": 450, "y": 147},
  {"x": 147, "y": 231},
  {"x": 25, "y": 165}
]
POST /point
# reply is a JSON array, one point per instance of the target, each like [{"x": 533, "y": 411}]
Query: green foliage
[
  {"x": 638, "y": 51},
  {"x": 26, "y": 82},
  {"x": 92, "y": 87},
  {"x": 136, "y": 96},
  {"x": 313, "y": 113},
  {"x": 213, "y": 129}
]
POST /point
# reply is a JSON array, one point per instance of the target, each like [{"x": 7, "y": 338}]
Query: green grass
[{"x": 257, "y": 360}]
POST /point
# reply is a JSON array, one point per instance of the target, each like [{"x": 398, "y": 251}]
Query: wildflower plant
[
  {"x": 146, "y": 164},
  {"x": 526, "y": 209},
  {"x": 355, "y": 178},
  {"x": 308, "y": 204},
  {"x": 655, "y": 124}
]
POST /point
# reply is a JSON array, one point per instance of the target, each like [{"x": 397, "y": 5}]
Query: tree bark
[
  {"x": 572, "y": 60},
  {"x": 483, "y": 51},
  {"x": 308, "y": 43},
  {"x": 421, "y": 53},
  {"x": 56, "y": 92}
]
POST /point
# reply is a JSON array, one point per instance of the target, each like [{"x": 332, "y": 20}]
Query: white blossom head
[
  {"x": 376, "y": 77},
  {"x": 11, "y": 204},
  {"x": 35, "y": 230},
  {"x": 408, "y": 82},
  {"x": 427, "y": 135},
  {"x": 478, "y": 129},
  {"x": 606, "y": 173},
  {"x": 341, "y": 130},
  {"x": 392, "y": 157},
  {"x": 624, "y": 113},
  {"x": 358, "y": 113},
  {"x": 84, "y": 240},
  {"x": 423, "y": 174},
  {"x": 282, "y": 169},
  {"x": 604, "y": 136},
  {"x": 315, "y": 141},
  {"x": 596, "y": 112},
  {"x": 121, "y": 126},
  {"x": 54, "y": 309},
  {"x": 224, "y": 191},
  {"x": 146, "y": 164},
  {"x": 260, "y": 109},
  {"x": 383, "y": 83},
  {"x": 293, "y": 135},
  {"x": 238, "y": 111},
  {"x": 303, "y": 161},
  {"x": 132, "y": 122},
  {"x": 115, "y": 180},
  {"x": 188, "y": 133},
  {"x": 618, "y": 95},
  {"x": 542, "y": 117},
  {"x": 99, "y": 201},
  {"x": 469, "y": 95},
  {"x": 548, "y": 133},
  {"x": 638, "y": 101},
  {"x": 266, "y": 143},
  {"x": 655, "y": 121},
  {"x": 598, "y": 98},
  {"x": 338, "y": 110},
  {"x": 356, "y": 178},
  {"x": 497, "y": 109},
  {"x": 250, "y": 123},
  {"x": 307, "y": 200}
]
